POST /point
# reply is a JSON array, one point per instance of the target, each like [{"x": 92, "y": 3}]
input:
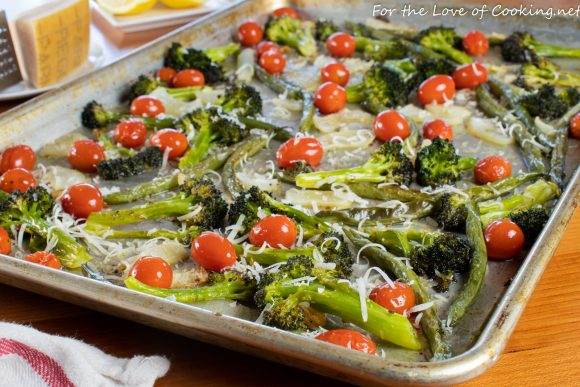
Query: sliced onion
[{"x": 488, "y": 131}]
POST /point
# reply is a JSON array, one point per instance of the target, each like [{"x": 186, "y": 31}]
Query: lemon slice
[
  {"x": 126, "y": 7},
  {"x": 182, "y": 3}
]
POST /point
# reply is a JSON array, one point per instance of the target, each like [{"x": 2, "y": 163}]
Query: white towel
[{"x": 31, "y": 358}]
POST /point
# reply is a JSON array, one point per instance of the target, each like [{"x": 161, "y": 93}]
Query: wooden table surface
[{"x": 542, "y": 351}]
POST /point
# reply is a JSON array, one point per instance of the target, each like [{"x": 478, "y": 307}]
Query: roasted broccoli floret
[
  {"x": 439, "y": 164},
  {"x": 243, "y": 100},
  {"x": 181, "y": 58},
  {"x": 123, "y": 167},
  {"x": 548, "y": 104},
  {"x": 380, "y": 89},
  {"x": 380, "y": 50},
  {"x": 29, "y": 210},
  {"x": 295, "y": 33},
  {"x": 253, "y": 202},
  {"x": 426, "y": 68},
  {"x": 387, "y": 164},
  {"x": 288, "y": 175},
  {"x": 450, "y": 212},
  {"x": 325, "y": 28},
  {"x": 522, "y": 47},
  {"x": 211, "y": 128},
  {"x": 199, "y": 204},
  {"x": 545, "y": 72},
  {"x": 145, "y": 85},
  {"x": 443, "y": 40},
  {"x": 95, "y": 116},
  {"x": 531, "y": 221},
  {"x": 228, "y": 285}
]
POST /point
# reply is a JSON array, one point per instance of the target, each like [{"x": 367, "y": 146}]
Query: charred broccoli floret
[
  {"x": 29, "y": 210},
  {"x": 95, "y": 116},
  {"x": 288, "y": 175},
  {"x": 295, "y": 33},
  {"x": 531, "y": 221},
  {"x": 450, "y": 212},
  {"x": 387, "y": 164},
  {"x": 123, "y": 167},
  {"x": 181, "y": 58},
  {"x": 325, "y": 28},
  {"x": 243, "y": 100},
  {"x": 545, "y": 72},
  {"x": 426, "y": 68},
  {"x": 548, "y": 104},
  {"x": 443, "y": 40},
  {"x": 522, "y": 47},
  {"x": 439, "y": 164},
  {"x": 146, "y": 85}
]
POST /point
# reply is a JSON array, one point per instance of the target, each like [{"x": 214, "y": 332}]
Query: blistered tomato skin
[
  {"x": 575, "y": 126},
  {"x": 475, "y": 43},
  {"x": 266, "y": 45},
  {"x": 330, "y": 98},
  {"x": 131, "y": 133},
  {"x": 213, "y": 252},
  {"x": 5, "y": 242},
  {"x": 81, "y": 200},
  {"x": 188, "y": 78},
  {"x": 397, "y": 297},
  {"x": 391, "y": 124},
  {"x": 250, "y": 33},
  {"x": 492, "y": 168},
  {"x": 286, "y": 11},
  {"x": 503, "y": 240},
  {"x": 341, "y": 45},
  {"x": 436, "y": 89},
  {"x": 166, "y": 74},
  {"x": 44, "y": 258},
  {"x": 17, "y": 179},
  {"x": 153, "y": 271},
  {"x": 17, "y": 156},
  {"x": 437, "y": 129},
  {"x": 307, "y": 149},
  {"x": 172, "y": 141},
  {"x": 470, "y": 76},
  {"x": 273, "y": 61},
  {"x": 335, "y": 72},
  {"x": 146, "y": 106},
  {"x": 277, "y": 231},
  {"x": 350, "y": 339},
  {"x": 85, "y": 155}
]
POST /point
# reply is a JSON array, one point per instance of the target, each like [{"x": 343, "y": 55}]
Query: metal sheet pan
[{"x": 485, "y": 330}]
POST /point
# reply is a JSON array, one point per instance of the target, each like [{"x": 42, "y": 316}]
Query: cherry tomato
[
  {"x": 391, "y": 124},
  {"x": 80, "y": 200},
  {"x": 438, "y": 89},
  {"x": 147, "y": 106},
  {"x": 170, "y": 139},
  {"x": 492, "y": 168},
  {"x": 503, "y": 240},
  {"x": 44, "y": 258},
  {"x": 273, "y": 61},
  {"x": 153, "y": 271},
  {"x": 286, "y": 11},
  {"x": 575, "y": 126},
  {"x": 276, "y": 230},
  {"x": 17, "y": 156},
  {"x": 250, "y": 33},
  {"x": 340, "y": 44},
  {"x": 350, "y": 339},
  {"x": 335, "y": 72},
  {"x": 85, "y": 155},
  {"x": 266, "y": 45},
  {"x": 475, "y": 43},
  {"x": 17, "y": 179},
  {"x": 469, "y": 76},
  {"x": 397, "y": 298},
  {"x": 437, "y": 129},
  {"x": 166, "y": 74},
  {"x": 213, "y": 252},
  {"x": 307, "y": 149},
  {"x": 330, "y": 98},
  {"x": 5, "y": 242},
  {"x": 131, "y": 133},
  {"x": 188, "y": 77}
]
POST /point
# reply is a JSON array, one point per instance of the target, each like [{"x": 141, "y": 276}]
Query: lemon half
[
  {"x": 182, "y": 3},
  {"x": 126, "y": 7}
]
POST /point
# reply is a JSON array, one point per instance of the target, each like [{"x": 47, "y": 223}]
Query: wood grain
[{"x": 542, "y": 351}]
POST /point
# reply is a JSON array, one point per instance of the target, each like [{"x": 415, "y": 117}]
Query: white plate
[
  {"x": 23, "y": 89},
  {"x": 158, "y": 17}
]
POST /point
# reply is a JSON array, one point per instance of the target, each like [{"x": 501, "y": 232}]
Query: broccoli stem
[
  {"x": 198, "y": 150},
  {"x": 248, "y": 148},
  {"x": 346, "y": 175},
  {"x": 306, "y": 124},
  {"x": 221, "y": 53},
  {"x": 430, "y": 322},
  {"x": 280, "y": 134},
  {"x": 184, "y": 93},
  {"x": 355, "y": 93},
  {"x": 180, "y": 235},
  {"x": 230, "y": 290},
  {"x": 390, "y": 192},
  {"x": 555, "y": 51},
  {"x": 477, "y": 267},
  {"x": 271, "y": 256}
]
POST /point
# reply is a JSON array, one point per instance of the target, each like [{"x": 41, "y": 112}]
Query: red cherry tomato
[
  {"x": 266, "y": 45},
  {"x": 131, "y": 133},
  {"x": 391, "y": 124},
  {"x": 213, "y": 252},
  {"x": 166, "y": 74},
  {"x": 80, "y": 200},
  {"x": 187, "y": 78},
  {"x": 85, "y": 155},
  {"x": 335, "y": 72},
  {"x": 397, "y": 298},
  {"x": 469, "y": 76},
  {"x": 475, "y": 43},
  {"x": 307, "y": 149},
  {"x": 147, "y": 106},
  {"x": 503, "y": 240},
  {"x": 170, "y": 139},
  {"x": 340, "y": 44},
  {"x": 438, "y": 89},
  {"x": 575, "y": 126},
  {"x": 250, "y": 33},
  {"x": 273, "y": 61},
  {"x": 153, "y": 271},
  {"x": 437, "y": 129},
  {"x": 5, "y": 242},
  {"x": 17, "y": 156},
  {"x": 276, "y": 230},
  {"x": 17, "y": 179},
  {"x": 492, "y": 168},
  {"x": 350, "y": 339},
  {"x": 330, "y": 98},
  {"x": 44, "y": 258},
  {"x": 286, "y": 11}
]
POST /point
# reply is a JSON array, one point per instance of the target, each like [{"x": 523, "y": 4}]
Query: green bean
[
  {"x": 477, "y": 267},
  {"x": 390, "y": 192},
  {"x": 501, "y": 187},
  {"x": 279, "y": 84},
  {"x": 306, "y": 124},
  {"x": 247, "y": 148},
  {"x": 280, "y": 134},
  {"x": 558, "y": 156}
]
